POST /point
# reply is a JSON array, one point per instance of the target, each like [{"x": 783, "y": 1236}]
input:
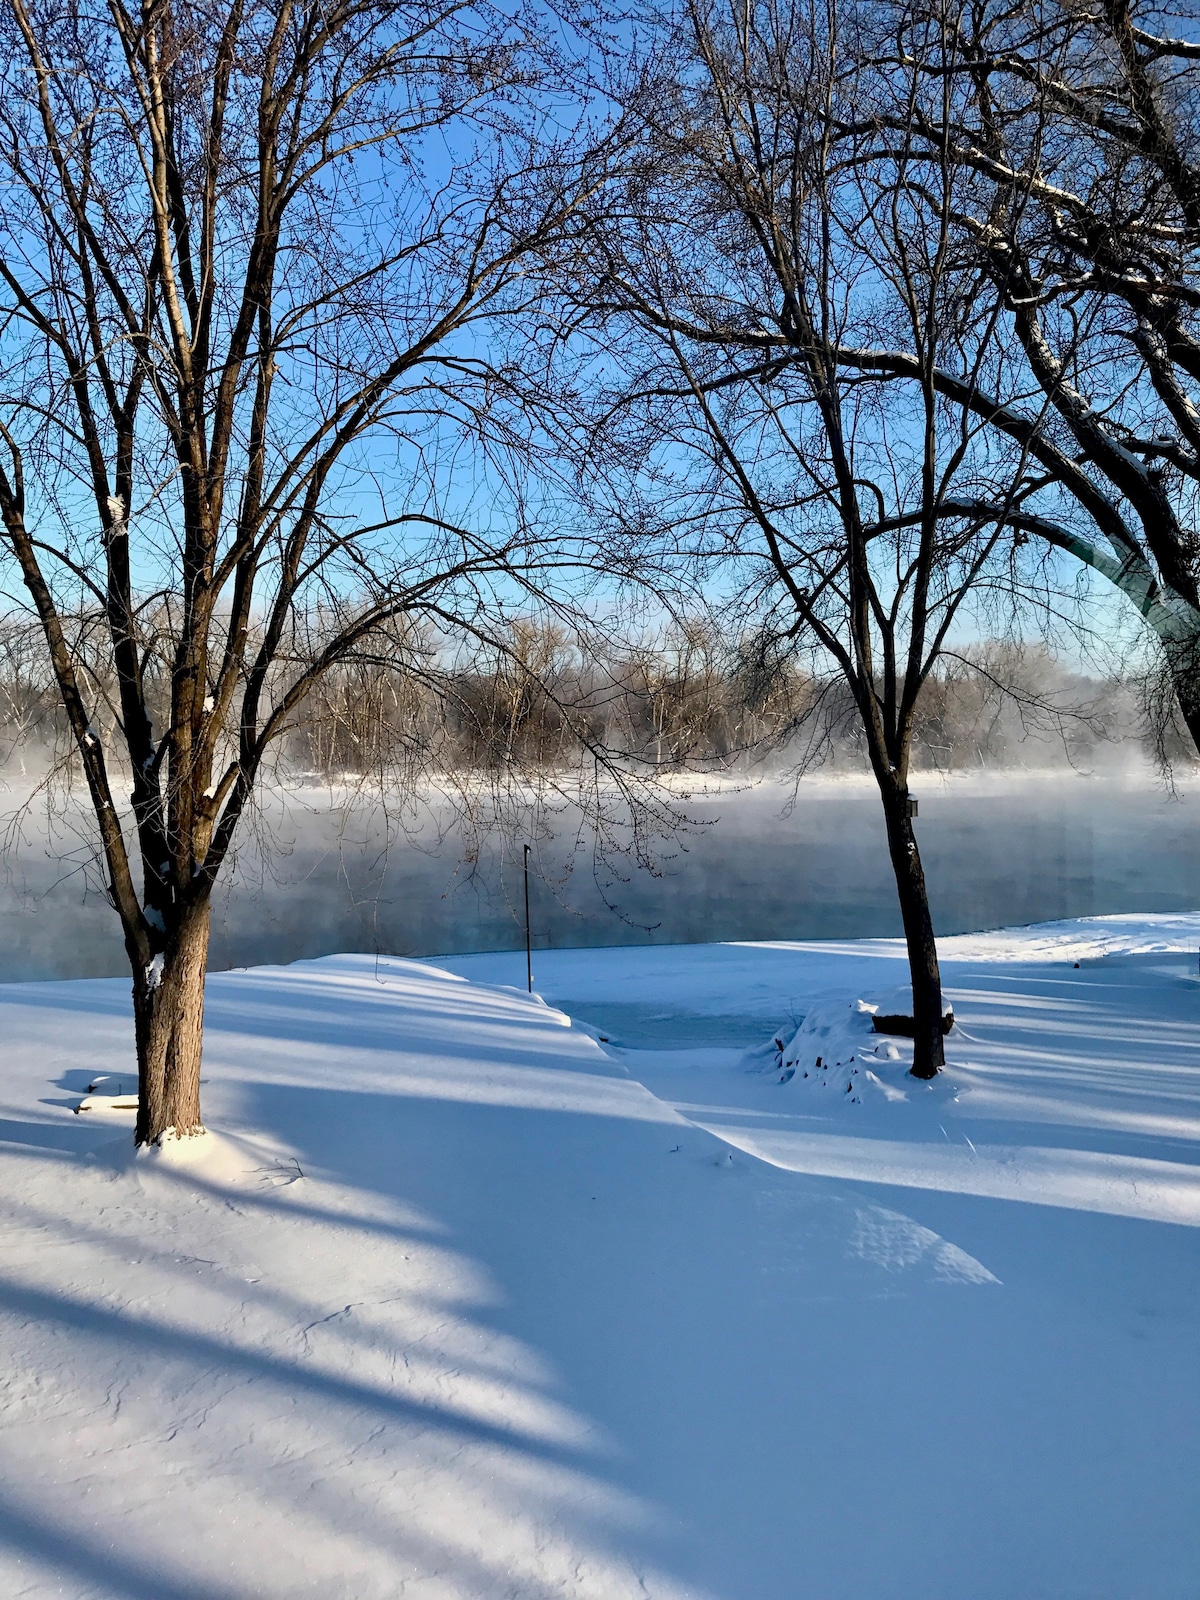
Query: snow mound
[
  {"x": 108, "y": 1103},
  {"x": 213, "y": 1158},
  {"x": 182, "y": 1150},
  {"x": 898, "y": 1244},
  {"x": 835, "y": 1053}
]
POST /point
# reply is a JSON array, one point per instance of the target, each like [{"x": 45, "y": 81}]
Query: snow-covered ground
[{"x": 460, "y": 1301}]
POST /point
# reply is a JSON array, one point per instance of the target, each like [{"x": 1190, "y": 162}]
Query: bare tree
[
  {"x": 842, "y": 511},
  {"x": 1074, "y": 128},
  {"x": 249, "y": 256}
]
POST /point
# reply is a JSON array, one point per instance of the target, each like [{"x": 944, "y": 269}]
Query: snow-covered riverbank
[{"x": 468, "y": 1303}]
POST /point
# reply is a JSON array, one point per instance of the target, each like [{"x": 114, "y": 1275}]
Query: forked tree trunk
[
  {"x": 168, "y": 1010},
  {"x": 929, "y": 1055}
]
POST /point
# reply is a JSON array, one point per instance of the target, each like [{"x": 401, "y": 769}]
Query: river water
[{"x": 999, "y": 848}]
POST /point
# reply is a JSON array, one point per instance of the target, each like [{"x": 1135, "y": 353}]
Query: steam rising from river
[{"x": 999, "y": 848}]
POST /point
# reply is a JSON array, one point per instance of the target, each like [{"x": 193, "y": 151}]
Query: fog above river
[{"x": 999, "y": 848}]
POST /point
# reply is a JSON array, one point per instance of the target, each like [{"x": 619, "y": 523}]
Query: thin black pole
[{"x": 528, "y": 943}]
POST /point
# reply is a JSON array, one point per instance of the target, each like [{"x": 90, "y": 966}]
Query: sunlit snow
[{"x": 472, "y": 1294}]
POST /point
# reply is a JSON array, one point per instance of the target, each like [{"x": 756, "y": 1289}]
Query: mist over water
[{"x": 999, "y": 848}]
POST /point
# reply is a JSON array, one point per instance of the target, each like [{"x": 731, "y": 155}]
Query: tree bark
[
  {"x": 929, "y": 1055},
  {"x": 168, "y": 1009},
  {"x": 1183, "y": 662}
]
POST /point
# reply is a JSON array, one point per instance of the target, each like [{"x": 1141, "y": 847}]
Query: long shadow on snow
[
  {"x": 691, "y": 1310},
  {"x": 130, "y": 1333},
  {"x": 72, "y": 1138},
  {"x": 94, "y": 1564},
  {"x": 108, "y": 997},
  {"x": 283, "y": 1005},
  {"x": 134, "y": 1334}
]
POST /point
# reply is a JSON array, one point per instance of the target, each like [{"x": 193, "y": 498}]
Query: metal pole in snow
[{"x": 528, "y": 943}]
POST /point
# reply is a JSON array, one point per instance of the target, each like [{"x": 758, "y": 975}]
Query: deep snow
[{"x": 460, "y": 1302}]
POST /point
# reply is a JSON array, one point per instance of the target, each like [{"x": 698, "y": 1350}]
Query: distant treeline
[{"x": 540, "y": 697}]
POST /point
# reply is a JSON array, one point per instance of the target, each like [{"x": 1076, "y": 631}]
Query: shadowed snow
[{"x": 457, "y": 1302}]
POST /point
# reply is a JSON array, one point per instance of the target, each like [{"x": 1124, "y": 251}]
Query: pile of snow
[
  {"x": 108, "y": 1103},
  {"x": 830, "y": 1051},
  {"x": 836, "y": 1055}
]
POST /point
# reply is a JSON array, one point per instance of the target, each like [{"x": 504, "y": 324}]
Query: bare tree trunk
[
  {"x": 168, "y": 1009},
  {"x": 205, "y": 343},
  {"x": 929, "y": 1055},
  {"x": 1183, "y": 663}
]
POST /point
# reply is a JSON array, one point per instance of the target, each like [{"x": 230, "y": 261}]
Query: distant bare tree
[{"x": 249, "y": 255}]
